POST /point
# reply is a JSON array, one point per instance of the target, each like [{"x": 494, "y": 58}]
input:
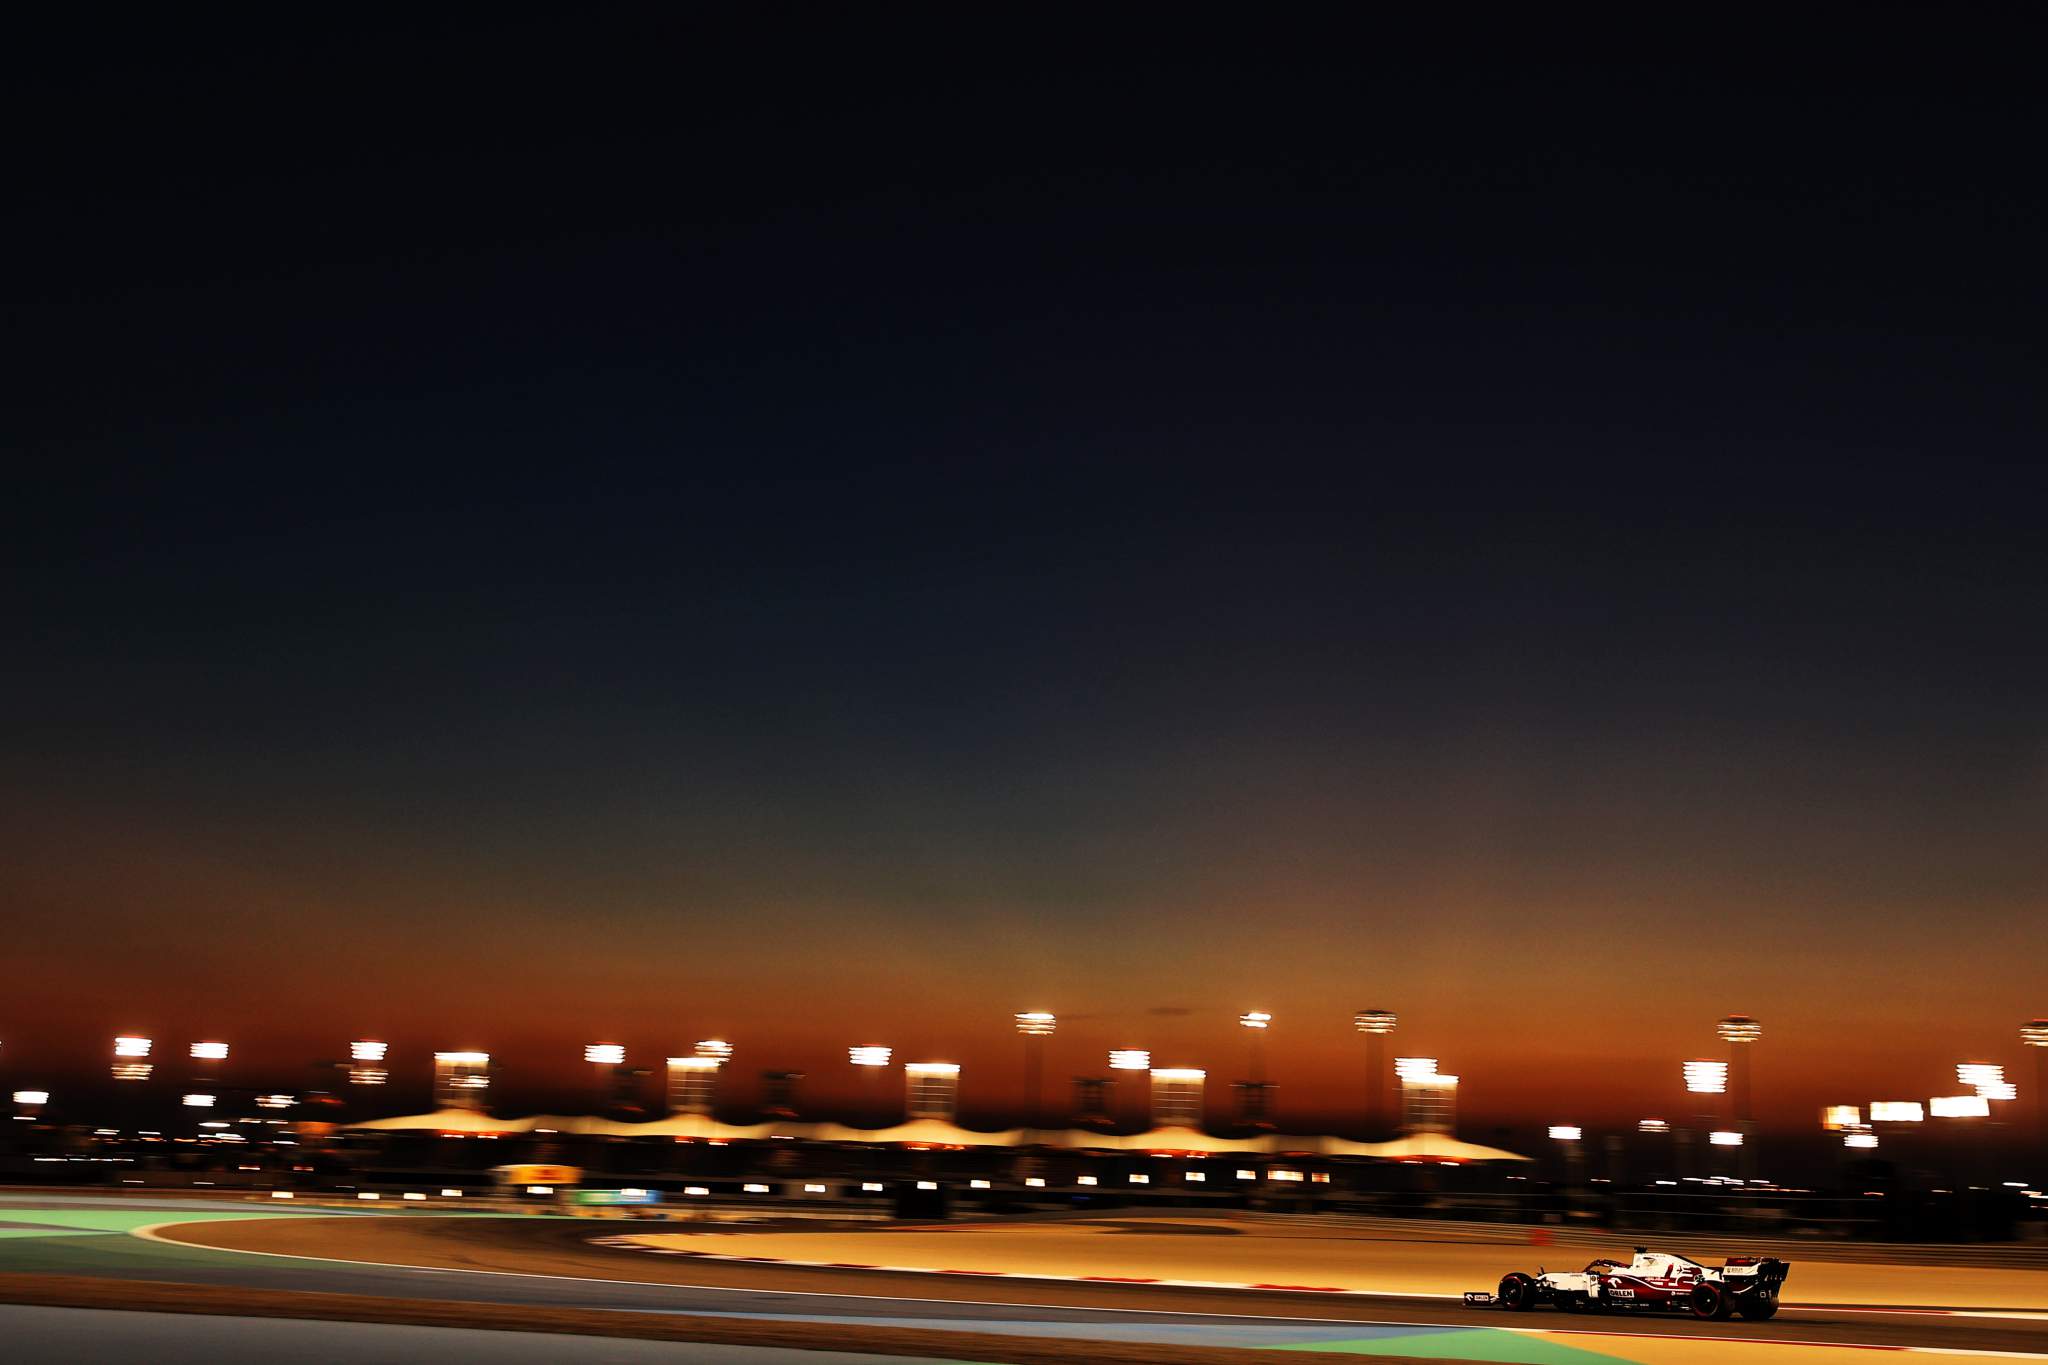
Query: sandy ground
[{"x": 1217, "y": 1250}]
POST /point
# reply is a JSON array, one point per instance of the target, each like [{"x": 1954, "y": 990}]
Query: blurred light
[
  {"x": 1179, "y": 1073},
  {"x": 540, "y": 1189},
  {"x": 1197, "y": 1177},
  {"x": 276, "y": 1101},
  {"x": 1130, "y": 1059},
  {"x": 605, "y": 1054},
  {"x": 451, "y": 1194},
  {"x": 2003, "y": 1090},
  {"x": 464, "y": 1058},
  {"x": 978, "y": 1185},
  {"x": 198, "y": 1101},
  {"x": 755, "y": 1189},
  {"x": 1141, "y": 1179},
  {"x": 931, "y": 1068},
  {"x": 1739, "y": 1028},
  {"x": 1653, "y": 1126},
  {"x": 1408, "y": 1068},
  {"x": 31, "y": 1097},
  {"x": 2035, "y": 1033},
  {"x": 1243, "y": 1174},
  {"x": 1724, "y": 1138},
  {"x": 132, "y": 1071},
  {"x": 814, "y": 1189},
  {"x": 210, "y": 1052},
  {"x": 1254, "y": 1019},
  {"x": 131, "y": 1047},
  {"x": 698, "y": 1190},
  {"x": 927, "y": 1184},
  {"x": 1863, "y": 1140},
  {"x": 694, "y": 1064},
  {"x": 1897, "y": 1111},
  {"x": 715, "y": 1047},
  {"x": 1292, "y": 1176},
  {"x": 1706, "y": 1077},
  {"x": 1836, "y": 1117},
  {"x": 1036, "y": 1023},
  {"x": 280, "y": 1194},
  {"x": 409, "y": 1194},
  {"x": 1434, "y": 1081},
  {"x": 366, "y": 1050},
  {"x": 871, "y": 1187},
  {"x": 869, "y": 1055},
  {"x": 1566, "y": 1132},
  {"x": 365, "y": 1194},
  {"x": 1959, "y": 1107},
  {"x": 1036, "y": 1182},
  {"x": 1373, "y": 1021},
  {"x": 1087, "y": 1180},
  {"x": 1977, "y": 1075},
  {"x": 368, "y": 1075}
]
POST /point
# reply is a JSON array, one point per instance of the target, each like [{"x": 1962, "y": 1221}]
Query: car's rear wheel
[
  {"x": 1517, "y": 1291},
  {"x": 1709, "y": 1301},
  {"x": 1756, "y": 1307}
]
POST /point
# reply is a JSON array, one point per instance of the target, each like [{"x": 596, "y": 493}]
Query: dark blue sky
[{"x": 679, "y": 514}]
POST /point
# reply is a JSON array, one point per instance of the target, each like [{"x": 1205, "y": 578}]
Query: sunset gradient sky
[{"x": 763, "y": 551}]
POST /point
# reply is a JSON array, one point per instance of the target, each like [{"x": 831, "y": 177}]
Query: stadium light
[
  {"x": 1865, "y": 1141},
  {"x": 198, "y": 1101},
  {"x": 1959, "y": 1107},
  {"x": 1897, "y": 1111},
  {"x": 1254, "y": 1019},
  {"x": 1374, "y": 1021},
  {"x": 932, "y": 1068},
  {"x": 715, "y": 1047},
  {"x": 604, "y": 1054},
  {"x": 1036, "y": 1023},
  {"x": 1839, "y": 1117},
  {"x": 1130, "y": 1059},
  {"x": 1414, "y": 1068},
  {"x": 1739, "y": 1028},
  {"x": 1725, "y": 1138},
  {"x": 366, "y": 1050},
  {"x": 1566, "y": 1132},
  {"x": 31, "y": 1097},
  {"x": 210, "y": 1052},
  {"x": 869, "y": 1055},
  {"x": 1653, "y": 1126},
  {"x": 131, "y": 1047},
  {"x": 1703, "y": 1077}
]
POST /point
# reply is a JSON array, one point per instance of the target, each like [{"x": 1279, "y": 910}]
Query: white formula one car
[{"x": 1654, "y": 1281}]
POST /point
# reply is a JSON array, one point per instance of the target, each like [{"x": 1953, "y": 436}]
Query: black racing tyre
[
  {"x": 1517, "y": 1291},
  {"x": 1708, "y": 1301},
  {"x": 1756, "y": 1308}
]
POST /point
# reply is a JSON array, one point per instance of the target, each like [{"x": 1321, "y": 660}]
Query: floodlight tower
[
  {"x": 1375, "y": 1025},
  {"x": 2035, "y": 1035},
  {"x": 1035, "y": 1026},
  {"x": 1740, "y": 1032},
  {"x": 1128, "y": 1060},
  {"x": 871, "y": 1059}
]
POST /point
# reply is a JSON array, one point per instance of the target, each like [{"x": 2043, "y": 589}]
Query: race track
[{"x": 529, "y": 1260}]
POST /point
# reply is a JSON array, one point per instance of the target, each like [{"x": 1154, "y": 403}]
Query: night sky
[{"x": 826, "y": 529}]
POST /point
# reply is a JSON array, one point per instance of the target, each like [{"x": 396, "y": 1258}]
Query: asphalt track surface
[{"x": 551, "y": 1262}]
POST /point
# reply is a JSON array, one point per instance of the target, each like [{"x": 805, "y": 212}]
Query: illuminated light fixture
[
  {"x": 2035, "y": 1033},
  {"x": 1255, "y": 1019},
  {"x": 1179, "y": 1073},
  {"x": 871, "y": 1187},
  {"x": 366, "y": 1050},
  {"x": 814, "y": 1189},
  {"x": 1566, "y": 1132},
  {"x": 132, "y": 1071},
  {"x": 1897, "y": 1111},
  {"x": 1374, "y": 1021},
  {"x": 1436, "y": 1080},
  {"x": 540, "y": 1189},
  {"x": 1292, "y": 1176},
  {"x": 198, "y": 1101},
  {"x": 1247, "y": 1175},
  {"x": 1141, "y": 1180},
  {"x": 927, "y": 1184},
  {"x": 365, "y": 1194},
  {"x": 1653, "y": 1126},
  {"x": 869, "y": 1055},
  {"x": 2001, "y": 1090},
  {"x": 1865, "y": 1141},
  {"x": 1197, "y": 1177},
  {"x": 978, "y": 1185},
  {"x": 464, "y": 1058},
  {"x": 1036, "y": 1023},
  {"x": 276, "y": 1101},
  {"x": 1739, "y": 1028},
  {"x": 1959, "y": 1107},
  {"x": 747, "y": 1189},
  {"x": 31, "y": 1097},
  {"x": 694, "y": 1063},
  {"x": 1087, "y": 1180},
  {"x": 1130, "y": 1059},
  {"x": 451, "y": 1194},
  {"x": 210, "y": 1052},
  {"x": 931, "y": 1068},
  {"x": 1837, "y": 1117},
  {"x": 604, "y": 1054},
  {"x": 1704, "y": 1077},
  {"x": 131, "y": 1047},
  {"x": 280, "y": 1194},
  {"x": 1411, "y": 1068},
  {"x": 715, "y": 1047},
  {"x": 1036, "y": 1182},
  {"x": 1724, "y": 1138}
]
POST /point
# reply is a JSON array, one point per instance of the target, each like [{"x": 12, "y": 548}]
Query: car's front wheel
[{"x": 1518, "y": 1291}]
